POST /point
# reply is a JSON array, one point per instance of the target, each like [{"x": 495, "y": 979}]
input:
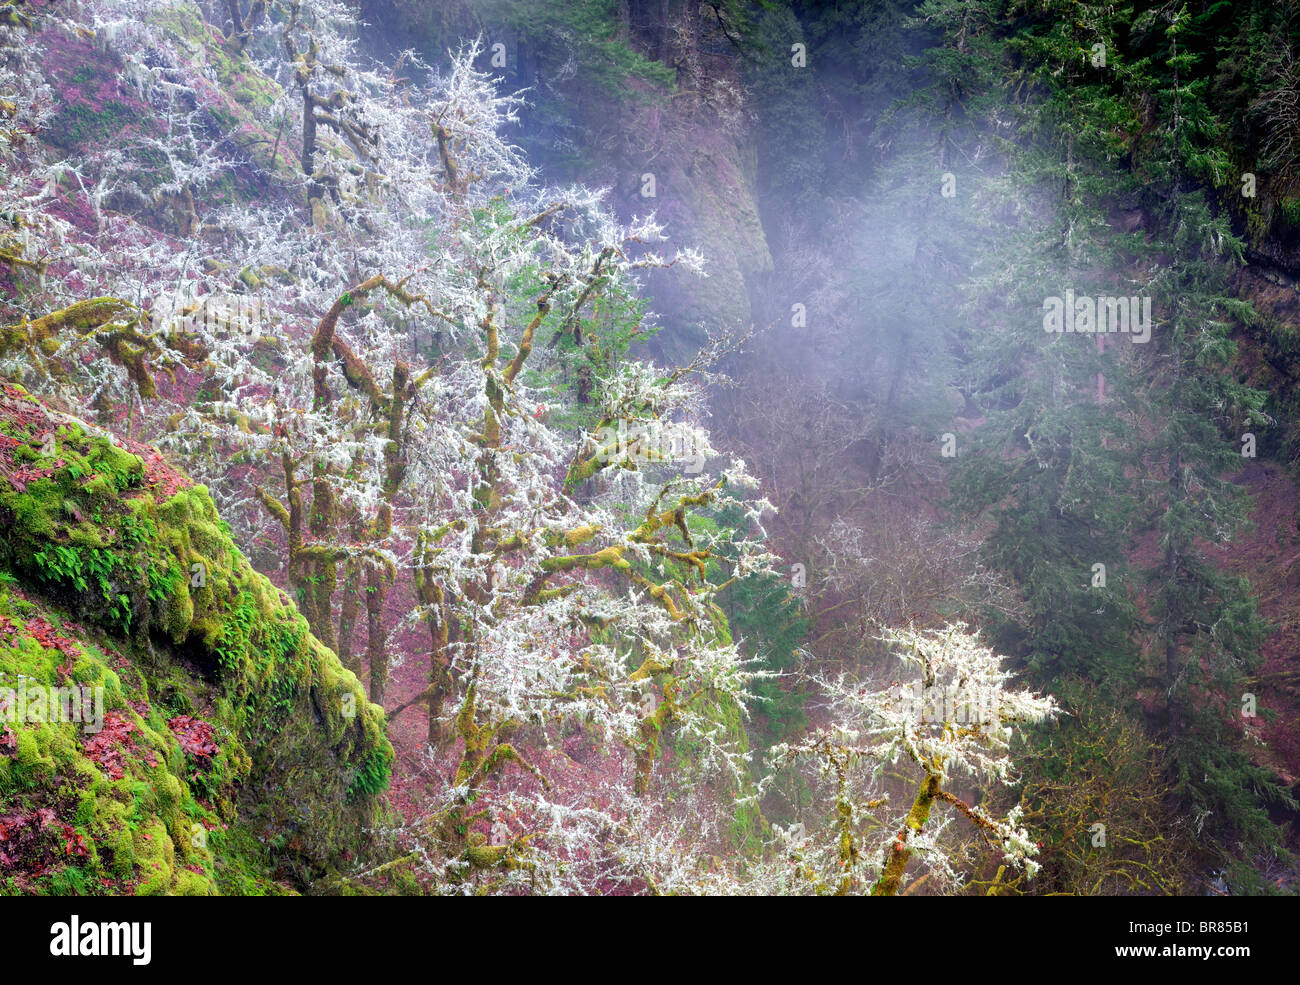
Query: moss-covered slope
[{"x": 232, "y": 753}]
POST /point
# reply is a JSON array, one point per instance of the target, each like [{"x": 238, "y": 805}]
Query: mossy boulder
[{"x": 215, "y": 745}]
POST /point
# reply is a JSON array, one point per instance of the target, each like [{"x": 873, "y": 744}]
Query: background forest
[{"x": 608, "y": 446}]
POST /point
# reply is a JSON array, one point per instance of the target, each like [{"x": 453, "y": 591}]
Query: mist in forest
[{"x": 524, "y": 447}]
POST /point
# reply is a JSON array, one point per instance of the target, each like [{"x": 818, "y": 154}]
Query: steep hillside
[{"x": 213, "y": 746}]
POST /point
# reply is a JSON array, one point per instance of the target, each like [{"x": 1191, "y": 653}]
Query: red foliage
[
  {"x": 163, "y": 480},
  {"x": 30, "y": 473},
  {"x": 32, "y": 418},
  {"x": 43, "y": 633},
  {"x": 195, "y": 737},
  {"x": 21, "y": 839},
  {"x": 22, "y": 410},
  {"x": 111, "y": 744},
  {"x": 73, "y": 843}
]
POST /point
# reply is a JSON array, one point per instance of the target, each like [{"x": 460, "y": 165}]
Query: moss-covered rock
[{"x": 220, "y": 746}]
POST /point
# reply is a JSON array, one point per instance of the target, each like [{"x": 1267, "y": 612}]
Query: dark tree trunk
[{"x": 376, "y": 638}]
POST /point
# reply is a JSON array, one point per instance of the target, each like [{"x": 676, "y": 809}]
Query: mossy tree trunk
[
  {"x": 350, "y": 606},
  {"x": 898, "y": 854}
]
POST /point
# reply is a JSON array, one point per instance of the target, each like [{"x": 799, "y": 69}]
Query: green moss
[
  {"x": 77, "y": 124},
  {"x": 300, "y": 747},
  {"x": 371, "y": 776}
]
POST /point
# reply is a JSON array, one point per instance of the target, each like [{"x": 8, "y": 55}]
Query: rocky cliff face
[
  {"x": 704, "y": 172},
  {"x": 167, "y": 722}
]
